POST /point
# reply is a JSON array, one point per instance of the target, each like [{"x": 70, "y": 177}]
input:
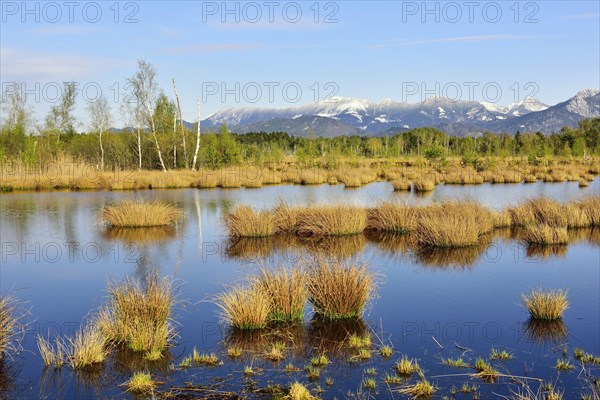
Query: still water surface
[{"x": 57, "y": 259}]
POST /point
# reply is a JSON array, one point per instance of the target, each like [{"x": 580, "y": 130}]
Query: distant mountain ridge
[{"x": 349, "y": 116}]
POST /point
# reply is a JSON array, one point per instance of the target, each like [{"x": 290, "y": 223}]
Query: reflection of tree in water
[{"x": 144, "y": 244}]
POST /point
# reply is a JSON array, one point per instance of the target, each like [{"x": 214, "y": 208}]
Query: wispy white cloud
[
  {"x": 209, "y": 48},
  {"x": 26, "y": 65},
  {"x": 461, "y": 39},
  {"x": 280, "y": 25},
  {"x": 583, "y": 16},
  {"x": 61, "y": 30}
]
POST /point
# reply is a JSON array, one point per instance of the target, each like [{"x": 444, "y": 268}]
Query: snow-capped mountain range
[{"x": 343, "y": 116}]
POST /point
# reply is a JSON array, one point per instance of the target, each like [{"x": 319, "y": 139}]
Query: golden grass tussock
[
  {"x": 502, "y": 219},
  {"x": 140, "y": 213},
  {"x": 406, "y": 366},
  {"x": 548, "y": 305},
  {"x": 246, "y": 222},
  {"x": 401, "y": 184},
  {"x": 299, "y": 392},
  {"x": 575, "y": 216},
  {"x": 206, "y": 181},
  {"x": 53, "y": 355},
  {"x": 591, "y": 207},
  {"x": 140, "y": 382},
  {"x": 421, "y": 389},
  {"x": 230, "y": 179},
  {"x": 245, "y": 307},
  {"x": 339, "y": 291},
  {"x": 285, "y": 218},
  {"x": 392, "y": 217},
  {"x": 543, "y": 234},
  {"x": 424, "y": 185},
  {"x": 546, "y": 211},
  {"x": 453, "y": 224},
  {"x": 88, "y": 347},
  {"x": 11, "y": 328},
  {"x": 331, "y": 220},
  {"x": 583, "y": 182},
  {"x": 139, "y": 314},
  {"x": 287, "y": 291}
]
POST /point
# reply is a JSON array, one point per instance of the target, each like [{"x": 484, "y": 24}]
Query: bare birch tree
[
  {"x": 100, "y": 120},
  {"x": 145, "y": 90}
]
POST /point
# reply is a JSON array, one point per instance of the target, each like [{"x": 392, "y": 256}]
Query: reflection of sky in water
[{"x": 58, "y": 259}]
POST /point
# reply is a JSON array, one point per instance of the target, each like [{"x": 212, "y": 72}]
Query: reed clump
[
  {"x": 331, "y": 221},
  {"x": 140, "y": 213},
  {"x": 139, "y": 315},
  {"x": 88, "y": 347},
  {"x": 453, "y": 224},
  {"x": 392, "y": 217},
  {"x": 299, "y": 392},
  {"x": 591, "y": 207},
  {"x": 547, "y": 305},
  {"x": 11, "y": 328},
  {"x": 53, "y": 354},
  {"x": 339, "y": 291},
  {"x": 401, "y": 185},
  {"x": 140, "y": 382},
  {"x": 246, "y": 222},
  {"x": 421, "y": 389},
  {"x": 285, "y": 218},
  {"x": 543, "y": 234},
  {"x": 424, "y": 185},
  {"x": 406, "y": 366},
  {"x": 286, "y": 288},
  {"x": 245, "y": 307}
]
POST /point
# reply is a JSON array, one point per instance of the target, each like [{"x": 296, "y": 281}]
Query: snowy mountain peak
[{"x": 587, "y": 93}]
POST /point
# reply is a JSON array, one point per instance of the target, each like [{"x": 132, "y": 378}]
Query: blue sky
[{"x": 369, "y": 49}]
